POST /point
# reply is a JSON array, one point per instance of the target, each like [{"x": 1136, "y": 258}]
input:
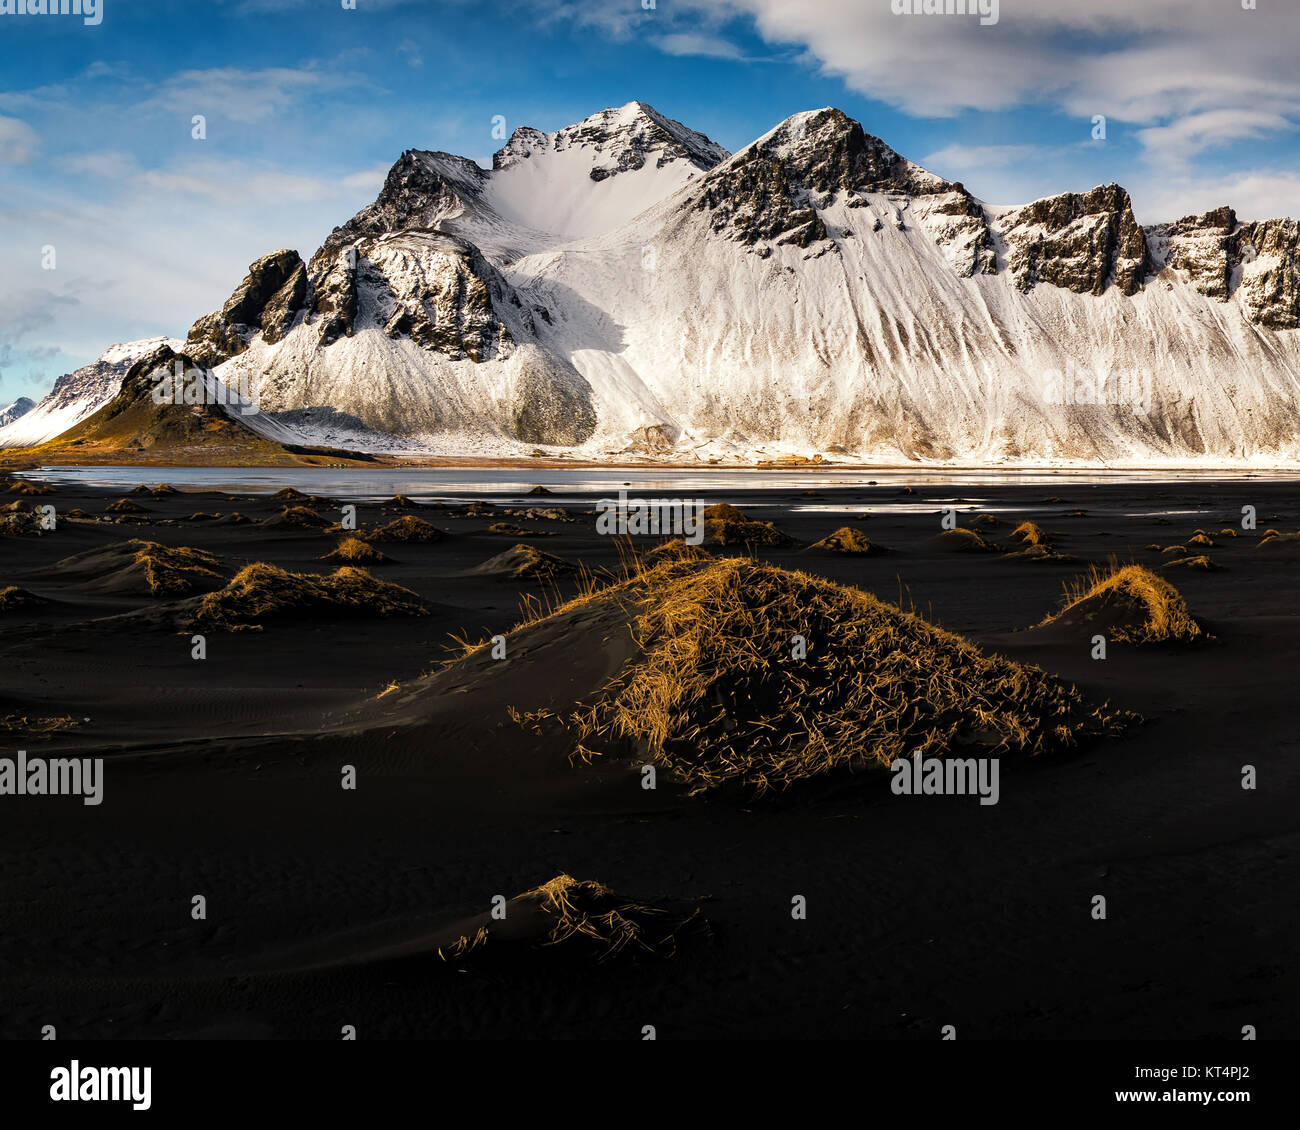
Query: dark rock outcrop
[
  {"x": 1081, "y": 242},
  {"x": 268, "y": 300}
]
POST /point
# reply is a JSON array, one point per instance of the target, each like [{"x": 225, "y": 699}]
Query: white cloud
[
  {"x": 697, "y": 43},
  {"x": 18, "y": 142},
  {"x": 1153, "y": 63}
]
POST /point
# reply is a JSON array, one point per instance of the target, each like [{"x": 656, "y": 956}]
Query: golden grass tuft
[
  {"x": 15, "y": 599},
  {"x": 724, "y": 524},
  {"x": 301, "y": 518},
  {"x": 1031, "y": 533},
  {"x": 848, "y": 541},
  {"x": 586, "y": 918},
  {"x": 1201, "y": 538},
  {"x": 261, "y": 591},
  {"x": 22, "y": 486},
  {"x": 1150, "y": 609},
  {"x": 715, "y": 696},
  {"x": 962, "y": 540},
  {"x": 676, "y": 549},
  {"x": 126, "y": 506},
  {"x": 509, "y": 529},
  {"x": 408, "y": 529},
  {"x": 175, "y": 570},
  {"x": 354, "y": 551},
  {"x": 1202, "y": 563}
]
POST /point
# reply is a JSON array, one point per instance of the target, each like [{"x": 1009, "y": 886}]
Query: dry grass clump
[
  {"x": 15, "y": 599},
  {"x": 407, "y": 528},
  {"x": 587, "y": 919},
  {"x": 1041, "y": 552},
  {"x": 402, "y": 502},
  {"x": 354, "y": 551},
  {"x": 961, "y": 540},
  {"x": 525, "y": 563},
  {"x": 1202, "y": 563},
  {"x": 299, "y": 518},
  {"x": 37, "y": 726},
  {"x": 1145, "y": 608},
  {"x": 1201, "y": 538},
  {"x": 676, "y": 549},
  {"x": 1227, "y": 532},
  {"x": 1031, "y": 533},
  {"x": 724, "y": 524},
  {"x": 511, "y": 530},
  {"x": 848, "y": 541},
  {"x": 289, "y": 494},
  {"x": 988, "y": 521},
  {"x": 126, "y": 506},
  {"x": 175, "y": 570},
  {"x": 716, "y": 697},
  {"x": 260, "y": 591},
  {"x": 22, "y": 486}
]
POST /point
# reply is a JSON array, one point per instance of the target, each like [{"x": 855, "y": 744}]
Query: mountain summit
[{"x": 625, "y": 286}]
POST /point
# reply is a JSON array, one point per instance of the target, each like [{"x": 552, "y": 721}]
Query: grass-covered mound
[
  {"x": 848, "y": 541},
  {"x": 585, "y": 918},
  {"x": 526, "y": 563},
  {"x": 15, "y": 599},
  {"x": 126, "y": 506},
  {"x": 961, "y": 540},
  {"x": 354, "y": 551},
  {"x": 725, "y": 524},
  {"x": 715, "y": 695},
  {"x": 22, "y": 486},
  {"x": 297, "y": 518},
  {"x": 261, "y": 592},
  {"x": 509, "y": 529},
  {"x": 143, "y": 567},
  {"x": 408, "y": 528},
  {"x": 1128, "y": 604}
]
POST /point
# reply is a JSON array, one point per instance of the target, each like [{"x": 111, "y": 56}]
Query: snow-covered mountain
[
  {"x": 78, "y": 394},
  {"x": 624, "y": 286},
  {"x": 11, "y": 412}
]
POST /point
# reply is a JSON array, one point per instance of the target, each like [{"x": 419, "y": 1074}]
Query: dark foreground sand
[{"x": 326, "y": 907}]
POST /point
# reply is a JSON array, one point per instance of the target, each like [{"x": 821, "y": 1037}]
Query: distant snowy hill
[
  {"x": 78, "y": 394},
  {"x": 11, "y": 412},
  {"x": 624, "y": 286}
]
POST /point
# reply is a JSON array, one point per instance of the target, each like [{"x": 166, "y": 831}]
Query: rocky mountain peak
[{"x": 617, "y": 140}]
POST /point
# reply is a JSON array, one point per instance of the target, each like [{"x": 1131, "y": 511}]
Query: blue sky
[{"x": 307, "y": 104}]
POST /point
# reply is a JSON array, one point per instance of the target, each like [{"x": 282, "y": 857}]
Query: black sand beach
[{"x": 327, "y": 907}]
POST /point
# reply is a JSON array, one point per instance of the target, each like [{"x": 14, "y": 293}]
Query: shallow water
[{"x": 430, "y": 483}]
